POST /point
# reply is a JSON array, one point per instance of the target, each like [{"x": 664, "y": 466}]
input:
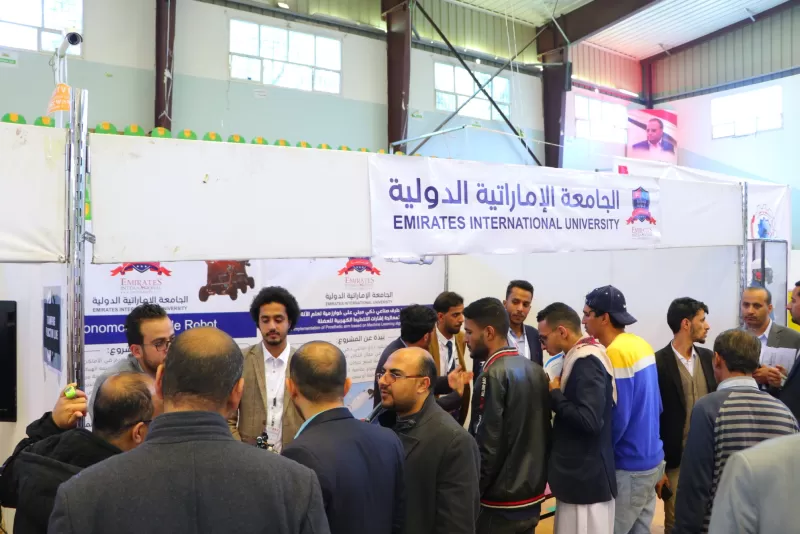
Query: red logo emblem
[
  {"x": 141, "y": 268},
  {"x": 359, "y": 265}
]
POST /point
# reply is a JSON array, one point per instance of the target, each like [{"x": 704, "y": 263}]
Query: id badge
[{"x": 273, "y": 432}]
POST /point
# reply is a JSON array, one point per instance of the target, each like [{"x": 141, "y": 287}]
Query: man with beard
[
  {"x": 149, "y": 333},
  {"x": 685, "y": 374},
  {"x": 510, "y": 422},
  {"x": 519, "y": 297},
  {"x": 447, "y": 346},
  {"x": 266, "y": 405},
  {"x": 441, "y": 459}
]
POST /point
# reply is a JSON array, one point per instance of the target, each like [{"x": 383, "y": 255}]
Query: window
[
  {"x": 747, "y": 113},
  {"x": 276, "y": 56},
  {"x": 601, "y": 121},
  {"x": 38, "y": 25},
  {"x": 454, "y": 86}
]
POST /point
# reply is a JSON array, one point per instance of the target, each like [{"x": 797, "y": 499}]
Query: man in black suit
[
  {"x": 519, "y": 297},
  {"x": 789, "y": 390},
  {"x": 191, "y": 475},
  {"x": 359, "y": 466},
  {"x": 685, "y": 374},
  {"x": 416, "y": 330}
]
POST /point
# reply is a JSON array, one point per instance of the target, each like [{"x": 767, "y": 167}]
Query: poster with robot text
[{"x": 353, "y": 303}]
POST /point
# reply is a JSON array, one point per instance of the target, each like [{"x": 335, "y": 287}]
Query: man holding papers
[{"x": 581, "y": 468}]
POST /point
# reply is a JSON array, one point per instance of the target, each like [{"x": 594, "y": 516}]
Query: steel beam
[
  {"x": 586, "y": 21},
  {"x": 165, "y": 45},
  {"x": 475, "y": 79},
  {"x": 398, "y": 66},
  {"x": 555, "y": 83}
]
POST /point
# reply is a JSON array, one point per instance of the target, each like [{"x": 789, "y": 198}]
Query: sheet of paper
[
  {"x": 772, "y": 357},
  {"x": 553, "y": 365}
]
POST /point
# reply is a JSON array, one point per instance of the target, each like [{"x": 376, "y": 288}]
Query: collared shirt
[
  {"x": 738, "y": 382},
  {"x": 763, "y": 337},
  {"x": 305, "y": 423},
  {"x": 521, "y": 343},
  {"x": 275, "y": 370},
  {"x": 444, "y": 363},
  {"x": 688, "y": 364}
]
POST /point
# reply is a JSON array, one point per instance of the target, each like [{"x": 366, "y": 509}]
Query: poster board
[{"x": 653, "y": 135}]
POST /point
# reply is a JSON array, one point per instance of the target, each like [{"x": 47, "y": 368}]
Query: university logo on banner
[
  {"x": 640, "y": 198},
  {"x": 141, "y": 268}
]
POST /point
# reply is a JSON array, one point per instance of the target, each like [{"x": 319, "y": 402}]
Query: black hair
[
  {"x": 123, "y": 400},
  {"x": 740, "y": 350},
  {"x": 416, "y": 321},
  {"x": 134, "y": 320},
  {"x": 683, "y": 308},
  {"x": 427, "y": 368},
  {"x": 559, "y": 314},
  {"x": 488, "y": 312},
  {"x": 614, "y": 323},
  {"x": 320, "y": 379},
  {"x": 275, "y": 294},
  {"x": 200, "y": 366},
  {"x": 758, "y": 287},
  {"x": 447, "y": 300},
  {"x": 519, "y": 284},
  {"x": 659, "y": 121}
]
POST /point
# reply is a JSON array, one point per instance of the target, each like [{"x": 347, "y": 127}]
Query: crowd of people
[{"x": 178, "y": 427}]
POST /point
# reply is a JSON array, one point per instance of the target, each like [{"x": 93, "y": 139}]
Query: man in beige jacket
[{"x": 266, "y": 405}]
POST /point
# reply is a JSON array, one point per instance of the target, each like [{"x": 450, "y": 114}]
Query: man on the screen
[{"x": 655, "y": 138}]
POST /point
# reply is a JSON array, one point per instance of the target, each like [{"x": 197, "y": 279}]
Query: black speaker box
[{"x": 8, "y": 361}]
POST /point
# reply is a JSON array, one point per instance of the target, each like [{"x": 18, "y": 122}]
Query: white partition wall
[
  {"x": 32, "y": 194},
  {"x": 650, "y": 280}
]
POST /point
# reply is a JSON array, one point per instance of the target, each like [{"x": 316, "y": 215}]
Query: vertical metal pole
[
  {"x": 78, "y": 154},
  {"x": 743, "y": 252}
]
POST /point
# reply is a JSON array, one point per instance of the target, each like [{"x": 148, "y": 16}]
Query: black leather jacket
[{"x": 511, "y": 423}]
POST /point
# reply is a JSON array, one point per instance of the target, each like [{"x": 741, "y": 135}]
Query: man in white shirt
[
  {"x": 525, "y": 338},
  {"x": 685, "y": 374},
  {"x": 266, "y": 407},
  {"x": 447, "y": 346}
]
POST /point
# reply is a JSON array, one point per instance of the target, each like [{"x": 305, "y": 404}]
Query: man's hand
[
  {"x": 761, "y": 375},
  {"x": 775, "y": 376},
  {"x": 661, "y": 483},
  {"x": 455, "y": 379},
  {"x": 555, "y": 383},
  {"x": 67, "y": 412}
]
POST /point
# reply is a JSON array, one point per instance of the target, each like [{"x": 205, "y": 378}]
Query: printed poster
[
  {"x": 52, "y": 332},
  {"x": 653, "y": 135}
]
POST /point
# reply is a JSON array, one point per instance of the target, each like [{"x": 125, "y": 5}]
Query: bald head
[
  {"x": 319, "y": 370},
  {"x": 204, "y": 364},
  {"x": 419, "y": 360},
  {"x": 122, "y": 401}
]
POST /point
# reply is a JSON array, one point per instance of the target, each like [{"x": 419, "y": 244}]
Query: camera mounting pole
[{"x": 72, "y": 37}]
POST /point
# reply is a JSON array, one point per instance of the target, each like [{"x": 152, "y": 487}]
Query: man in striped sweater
[
  {"x": 737, "y": 416},
  {"x": 638, "y": 450}
]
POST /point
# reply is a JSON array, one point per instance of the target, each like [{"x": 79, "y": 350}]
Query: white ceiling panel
[
  {"x": 672, "y": 23},
  {"x": 534, "y": 12}
]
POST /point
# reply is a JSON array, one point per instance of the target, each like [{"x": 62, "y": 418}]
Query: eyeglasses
[
  {"x": 161, "y": 345},
  {"x": 393, "y": 376}
]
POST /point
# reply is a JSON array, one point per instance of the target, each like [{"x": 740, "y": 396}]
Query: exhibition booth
[{"x": 195, "y": 226}]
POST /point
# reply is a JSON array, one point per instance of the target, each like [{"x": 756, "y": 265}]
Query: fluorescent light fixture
[
  {"x": 283, "y": 5},
  {"x": 539, "y": 67},
  {"x": 478, "y": 60},
  {"x": 629, "y": 93}
]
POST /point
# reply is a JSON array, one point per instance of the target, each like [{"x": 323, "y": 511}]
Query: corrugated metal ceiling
[
  {"x": 534, "y": 12},
  {"x": 675, "y": 22}
]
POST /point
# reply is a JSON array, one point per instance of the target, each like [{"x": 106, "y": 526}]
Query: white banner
[
  {"x": 428, "y": 206},
  {"x": 353, "y": 303}
]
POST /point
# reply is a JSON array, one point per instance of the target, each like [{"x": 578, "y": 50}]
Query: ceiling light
[
  {"x": 629, "y": 93},
  {"x": 478, "y": 60},
  {"x": 283, "y": 5}
]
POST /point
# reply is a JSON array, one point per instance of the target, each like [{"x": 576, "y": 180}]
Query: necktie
[{"x": 450, "y": 360}]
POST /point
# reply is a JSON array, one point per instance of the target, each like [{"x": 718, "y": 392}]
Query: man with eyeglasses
[
  {"x": 55, "y": 449},
  {"x": 149, "y": 332},
  {"x": 441, "y": 459}
]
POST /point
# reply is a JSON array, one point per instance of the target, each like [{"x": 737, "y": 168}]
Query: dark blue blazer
[
  {"x": 360, "y": 469},
  {"x": 581, "y": 468},
  {"x": 666, "y": 146}
]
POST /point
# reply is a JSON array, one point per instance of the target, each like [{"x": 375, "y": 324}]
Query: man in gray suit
[
  {"x": 758, "y": 489},
  {"x": 778, "y": 343},
  {"x": 191, "y": 475}
]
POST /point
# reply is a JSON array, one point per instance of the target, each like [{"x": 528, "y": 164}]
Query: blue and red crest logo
[
  {"x": 359, "y": 265},
  {"x": 141, "y": 268},
  {"x": 641, "y": 207}
]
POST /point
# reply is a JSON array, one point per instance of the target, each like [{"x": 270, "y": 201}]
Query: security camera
[{"x": 74, "y": 37}]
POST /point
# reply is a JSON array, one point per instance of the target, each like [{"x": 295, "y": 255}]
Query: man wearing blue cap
[{"x": 638, "y": 450}]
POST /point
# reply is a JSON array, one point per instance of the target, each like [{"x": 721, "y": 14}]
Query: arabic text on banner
[{"x": 432, "y": 207}]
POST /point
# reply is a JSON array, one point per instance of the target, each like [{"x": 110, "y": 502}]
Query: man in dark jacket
[
  {"x": 348, "y": 456},
  {"x": 787, "y": 388},
  {"x": 685, "y": 374},
  {"x": 55, "y": 450},
  {"x": 441, "y": 458},
  {"x": 191, "y": 475},
  {"x": 510, "y": 422},
  {"x": 581, "y": 469}
]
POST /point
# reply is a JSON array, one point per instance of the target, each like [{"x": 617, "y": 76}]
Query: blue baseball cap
[{"x": 610, "y": 300}]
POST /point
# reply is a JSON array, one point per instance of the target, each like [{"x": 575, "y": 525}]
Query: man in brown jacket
[
  {"x": 447, "y": 346},
  {"x": 266, "y": 405}
]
